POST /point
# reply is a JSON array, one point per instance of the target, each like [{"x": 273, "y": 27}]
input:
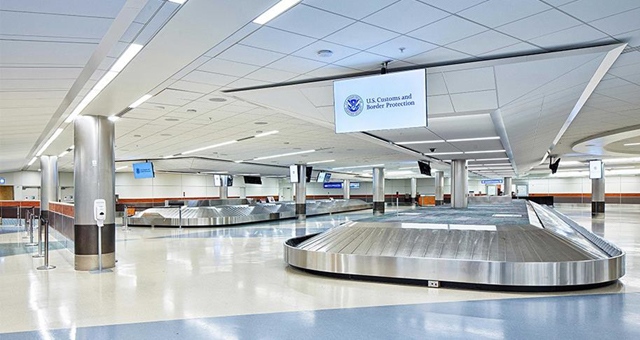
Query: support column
[
  {"x": 459, "y": 184},
  {"x": 346, "y": 187},
  {"x": 224, "y": 191},
  {"x": 94, "y": 177},
  {"x": 598, "y": 194},
  {"x": 378, "y": 191},
  {"x": 301, "y": 192},
  {"x": 506, "y": 191},
  {"x": 49, "y": 183},
  {"x": 439, "y": 187},
  {"x": 414, "y": 190}
]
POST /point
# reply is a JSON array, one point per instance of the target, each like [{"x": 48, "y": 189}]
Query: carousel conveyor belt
[{"x": 516, "y": 246}]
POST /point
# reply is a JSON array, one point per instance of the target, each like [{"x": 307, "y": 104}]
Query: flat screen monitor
[
  {"x": 320, "y": 178},
  {"x": 595, "y": 169},
  {"x": 252, "y": 180},
  {"x": 217, "y": 180},
  {"x": 354, "y": 185},
  {"x": 294, "y": 177},
  {"x": 308, "y": 174},
  {"x": 143, "y": 170},
  {"x": 425, "y": 168}
]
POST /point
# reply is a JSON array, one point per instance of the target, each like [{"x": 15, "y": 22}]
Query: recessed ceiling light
[
  {"x": 284, "y": 155},
  {"x": 260, "y": 123},
  {"x": 472, "y": 139},
  {"x": 137, "y": 135},
  {"x": 325, "y": 53},
  {"x": 140, "y": 101},
  {"x": 217, "y": 100},
  {"x": 192, "y": 110},
  {"x": 275, "y": 10},
  {"x": 631, "y": 144},
  {"x": 320, "y": 162},
  {"x": 422, "y": 142},
  {"x": 160, "y": 107}
]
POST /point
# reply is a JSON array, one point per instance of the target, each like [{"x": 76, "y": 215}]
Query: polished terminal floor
[{"x": 232, "y": 283}]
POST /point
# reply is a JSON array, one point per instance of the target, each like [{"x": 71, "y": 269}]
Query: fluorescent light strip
[
  {"x": 51, "y": 139},
  {"x": 209, "y": 147},
  {"x": 445, "y": 153},
  {"x": 122, "y": 167},
  {"x": 489, "y": 159},
  {"x": 140, "y": 101},
  {"x": 266, "y": 133},
  {"x": 358, "y": 166},
  {"x": 275, "y": 10},
  {"x": 179, "y": 2},
  {"x": 631, "y": 144},
  {"x": 484, "y": 151},
  {"x": 33, "y": 160},
  {"x": 320, "y": 162},
  {"x": 284, "y": 155},
  {"x": 472, "y": 139},
  {"x": 114, "y": 118},
  {"x": 422, "y": 142}
]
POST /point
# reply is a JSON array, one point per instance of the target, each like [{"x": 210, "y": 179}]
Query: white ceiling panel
[
  {"x": 339, "y": 51},
  {"x": 352, "y": 9},
  {"x": 369, "y": 36},
  {"x": 296, "y": 64},
  {"x": 414, "y": 14},
  {"x": 483, "y": 43},
  {"x": 619, "y": 23},
  {"x": 209, "y": 78},
  {"x": 310, "y": 21},
  {"x": 34, "y": 73},
  {"x": 454, "y": 6},
  {"x": 277, "y": 40},
  {"x": 94, "y": 8},
  {"x": 438, "y": 55},
  {"x": 272, "y": 75},
  {"x": 363, "y": 61},
  {"x": 569, "y": 37},
  {"x": 439, "y": 104},
  {"x": 475, "y": 101},
  {"x": 194, "y": 87},
  {"x": 477, "y": 79},
  {"x": 494, "y": 13},
  {"x": 447, "y": 30},
  {"x": 516, "y": 49},
  {"x": 250, "y": 55},
  {"x": 402, "y": 47},
  {"x": 539, "y": 24},
  {"x": 332, "y": 71},
  {"x": 226, "y": 67},
  {"x": 590, "y": 10},
  {"x": 32, "y": 53},
  {"x": 435, "y": 84}
]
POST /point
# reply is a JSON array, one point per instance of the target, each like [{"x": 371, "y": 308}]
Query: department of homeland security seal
[{"x": 353, "y": 105}]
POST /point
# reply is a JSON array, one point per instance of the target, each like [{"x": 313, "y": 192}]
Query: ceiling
[{"x": 534, "y": 78}]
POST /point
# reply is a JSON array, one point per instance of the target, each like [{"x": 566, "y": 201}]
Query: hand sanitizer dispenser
[{"x": 100, "y": 211}]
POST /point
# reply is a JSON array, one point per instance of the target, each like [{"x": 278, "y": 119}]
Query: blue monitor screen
[{"x": 143, "y": 170}]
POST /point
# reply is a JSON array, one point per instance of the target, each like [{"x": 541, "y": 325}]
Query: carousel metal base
[
  {"x": 219, "y": 215},
  {"x": 537, "y": 249}
]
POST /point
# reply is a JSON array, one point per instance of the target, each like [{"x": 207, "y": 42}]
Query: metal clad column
[
  {"x": 49, "y": 183},
  {"x": 598, "y": 194},
  {"x": 459, "y": 184},
  {"x": 346, "y": 187},
  {"x": 224, "y": 191},
  {"x": 94, "y": 177},
  {"x": 414, "y": 190},
  {"x": 506, "y": 191},
  {"x": 378, "y": 191},
  {"x": 439, "y": 187},
  {"x": 301, "y": 192}
]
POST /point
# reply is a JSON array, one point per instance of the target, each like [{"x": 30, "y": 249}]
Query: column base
[
  {"x": 378, "y": 208},
  {"x": 597, "y": 208},
  {"x": 301, "y": 211},
  {"x": 439, "y": 202},
  {"x": 90, "y": 262}
]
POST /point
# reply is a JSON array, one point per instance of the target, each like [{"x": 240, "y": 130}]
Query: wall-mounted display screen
[
  {"x": 217, "y": 180},
  {"x": 252, "y": 180},
  {"x": 391, "y": 101},
  {"x": 143, "y": 170},
  {"x": 294, "y": 177},
  {"x": 354, "y": 185},
  {"x": 308, "y": 174},
  {"x": 425, "y": 168},
  {"x": 595, "y": 169},
  {"x": 323, "y": 177},
  {"x": 229, "y": 181}
]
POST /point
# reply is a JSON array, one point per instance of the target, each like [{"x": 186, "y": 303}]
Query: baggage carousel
[
  {"x": 229, "y": 212},
  {"x": 517, "y": 246}
]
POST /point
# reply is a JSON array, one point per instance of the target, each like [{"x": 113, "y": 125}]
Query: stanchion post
[
  {"x": 180, "y": 217},
  {"x": 45, "y": 223},
  {"x": 40, "y": 227},
  {"x": 31, "y": 243}
]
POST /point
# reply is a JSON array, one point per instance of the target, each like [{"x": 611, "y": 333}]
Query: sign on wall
[
  {"x": 389, "y": 101},
  {"x": 491, "y": 181},
  {"x": 595, "y": 169}
]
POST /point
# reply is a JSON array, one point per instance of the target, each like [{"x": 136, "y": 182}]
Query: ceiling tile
[
  {"x": 362, "y": 61},
  {"x": 226, "y": 67},
  {"x": 331, "y": 71},
  {"x": 436, "y": 84},
  {"x": 361, "y": 36},
  {"x": 439, "y": 104},
  {"x": 453, "y": 6},
  {"x": 296, "y": 64},
  {"x": 209, "y": 78},
  {"x": 309, "y": 21},
  {"x": 447, "y": 30},
  {"x": 250, "y": 55},
  {"x": 352, "y": 9},
  {"x": 413, "y": 15},
  {"x": 437, "y": 56},
  {"x": 570, "y": 37},
  {"x": 194, "y": 87},
  {"x": 540, "y": 24},
  {"x": 339, "y": 51},
  {"x": 512, "y": 50},
  {"x": 271, "y": 75},
  {"x": 494, "y": 13},
  {"x": 619, "y": 23},
  {"x": 475, "y": 101},
  {"x": 589, "y": 10},
  {"x": 483, "y": 43},
  {"x": 402, "y": 47},
  {"x": 276, "y": 40},
  {"x": 477, "y": 79}
]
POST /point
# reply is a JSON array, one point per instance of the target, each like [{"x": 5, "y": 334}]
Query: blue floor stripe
[{"x": 611, "y": 316}]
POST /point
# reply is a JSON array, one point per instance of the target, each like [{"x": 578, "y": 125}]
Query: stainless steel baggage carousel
[
  {"x": 521, "y": 246},
  {"x": 210, "y": 213}
]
